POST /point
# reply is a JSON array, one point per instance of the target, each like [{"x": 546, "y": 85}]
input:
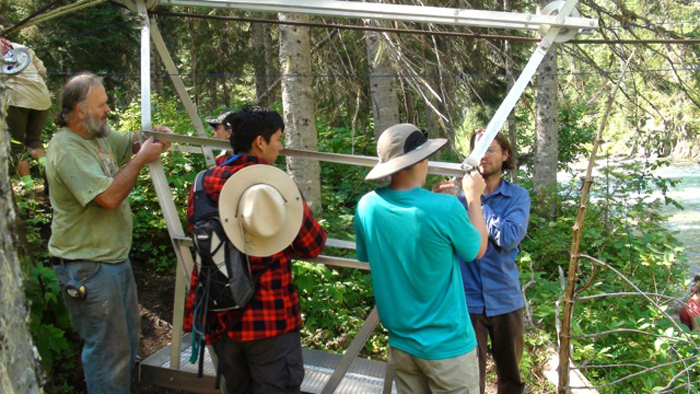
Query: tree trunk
[
  {"x": 260, "y": 65},
  {"x": 298, "y": 102},
  {"x": 156, "y": 73},
  {"x": 193, "y": 55},
  {"x": 547, "y": 127},
  {"x": 224, "y": 93},
  {"x": 270, "y": 64},
  {"x": 213, "y": 97},
  {"x": 383, "y": 90},
  {"x": 18, "y": 360}
]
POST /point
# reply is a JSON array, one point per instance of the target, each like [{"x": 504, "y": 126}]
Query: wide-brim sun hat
[
  {"x": 401, "y": 146},
  {"x": 261, "y": 210}
]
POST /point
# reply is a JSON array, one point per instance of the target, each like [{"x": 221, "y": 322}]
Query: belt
[{"x": 60, "y": 261}]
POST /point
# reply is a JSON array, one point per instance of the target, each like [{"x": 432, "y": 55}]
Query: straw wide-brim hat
[
  {"x": 261, "y": 210},
  {"x": 401, "y": 146}
]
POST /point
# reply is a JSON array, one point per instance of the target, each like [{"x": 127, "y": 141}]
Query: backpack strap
[{"x": 204, "y": 208}]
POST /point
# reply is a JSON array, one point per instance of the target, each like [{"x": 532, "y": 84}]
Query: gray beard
[{"x": 96, "y": 127}]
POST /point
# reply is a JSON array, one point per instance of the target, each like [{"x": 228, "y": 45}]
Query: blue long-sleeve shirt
[{"x": 491, "y": 283}]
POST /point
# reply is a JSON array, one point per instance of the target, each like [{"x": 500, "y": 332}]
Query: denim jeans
[{"x": 107, "y": 320}]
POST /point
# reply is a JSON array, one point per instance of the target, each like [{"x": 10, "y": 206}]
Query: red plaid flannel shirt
[
  {"x": 274, "y": 310},
  {"x": 219, "y": 160}
]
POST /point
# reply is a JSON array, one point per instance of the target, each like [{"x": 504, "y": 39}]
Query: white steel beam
[
  {"x": 494, "y": 126},
  {"x": 352, "y": 351},
  {"x": 434, "y": 167},
  {"x": 165, "y": 198},
  {"x": 397, "y": 12}
]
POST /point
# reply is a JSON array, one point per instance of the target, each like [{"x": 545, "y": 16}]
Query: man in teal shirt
[
  {"x": 91, "y": 229},
  {"x": 411, "y": 238}
]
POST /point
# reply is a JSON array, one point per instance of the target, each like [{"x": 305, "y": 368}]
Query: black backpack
[
  {"x": 225, "y": 280},
  {"x": 223, "y": 272}
]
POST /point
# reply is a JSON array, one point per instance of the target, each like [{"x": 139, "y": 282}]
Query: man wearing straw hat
[
  {"x": 411, "y": 237},
  {"x": 267, "y": 219}
]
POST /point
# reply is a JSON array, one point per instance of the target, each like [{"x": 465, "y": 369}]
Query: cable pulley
[
  {"x": 566, "y": 33},
  {"x": 15, "y": 61}
]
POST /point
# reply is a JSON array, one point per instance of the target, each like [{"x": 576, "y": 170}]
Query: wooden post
[{"x": 565, "y": 335}]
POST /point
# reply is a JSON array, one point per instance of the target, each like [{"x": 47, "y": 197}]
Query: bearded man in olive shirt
[{"x": 91, "y": 229}]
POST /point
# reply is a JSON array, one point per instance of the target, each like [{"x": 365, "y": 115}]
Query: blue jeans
[{"x": 107, "y": 319}]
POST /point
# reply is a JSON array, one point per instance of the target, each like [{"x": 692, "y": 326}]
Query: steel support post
[
  {"x": 388, "y": 376},
  {"x": 353, "y": 350},
  {"x": 396, "y": 12},
  {"x": 165, "y": 198}
]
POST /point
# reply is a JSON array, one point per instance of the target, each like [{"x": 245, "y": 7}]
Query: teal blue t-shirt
[{"x": 411, "y": 239}]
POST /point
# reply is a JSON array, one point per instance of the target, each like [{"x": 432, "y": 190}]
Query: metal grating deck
[{"x": 363, "y": 377}]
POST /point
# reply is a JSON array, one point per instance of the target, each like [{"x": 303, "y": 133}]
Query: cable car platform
[{"x": 362, "y": 377}]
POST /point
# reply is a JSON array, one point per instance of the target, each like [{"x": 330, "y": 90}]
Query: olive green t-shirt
[{"x": 78, "y": 170}]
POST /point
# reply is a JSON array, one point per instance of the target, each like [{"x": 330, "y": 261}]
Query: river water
[
  {"x": 687, "y": 221},
  {"x": 684, "y": 222}
]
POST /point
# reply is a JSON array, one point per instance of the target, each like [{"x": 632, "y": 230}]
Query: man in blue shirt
[
  {"x": 410, "y": 238},
  {"x": 491, "y": 283}
]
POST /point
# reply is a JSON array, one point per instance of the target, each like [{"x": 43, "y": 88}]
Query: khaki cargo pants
[{"x": 415, "y": 375}]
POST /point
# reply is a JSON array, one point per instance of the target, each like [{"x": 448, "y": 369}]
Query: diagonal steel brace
[{"x": 494, "y": 126}]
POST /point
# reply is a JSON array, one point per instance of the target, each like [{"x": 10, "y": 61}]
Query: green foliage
[
  {"x": 100, "y": 39},
  {"x": 151, "y": 242},
  {"x": 335, "y": 301},
  {"x": 49, "y": 321},
  {"x": 334, "y": 304},
  {"x": 624, "y": 228},
  {"x": 576, "y": 132}
]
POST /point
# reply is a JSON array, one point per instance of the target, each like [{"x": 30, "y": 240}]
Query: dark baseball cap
[{"x": 213, "y": 122}]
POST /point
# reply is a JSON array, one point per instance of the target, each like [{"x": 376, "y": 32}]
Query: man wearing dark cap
[
  {"x": 221, "y": 130},
  {"x": 411, "y": 238}
]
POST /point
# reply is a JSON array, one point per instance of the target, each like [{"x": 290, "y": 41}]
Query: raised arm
[
  {"x": 473, "y": 185},
  {"x": 125, "y": 179}
]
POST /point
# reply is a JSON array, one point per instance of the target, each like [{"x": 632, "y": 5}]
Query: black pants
[
  {"x": 269, "y": 365},
  {"x": 506, "y": 332},
  {"x": 25, "y": 127}
]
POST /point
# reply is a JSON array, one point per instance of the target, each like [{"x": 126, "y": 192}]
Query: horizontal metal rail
[
  {"x": 332, "y": 242},
  {"x": 434, "y": 167},
  {"x": 396, "y": 12},
  {"x": 322, "y": 259}
]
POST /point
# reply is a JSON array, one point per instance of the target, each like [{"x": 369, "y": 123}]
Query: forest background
[{"x": 339, "y": 88}]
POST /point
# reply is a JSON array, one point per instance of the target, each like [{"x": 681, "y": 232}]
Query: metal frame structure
[{"x": 556, "y": 23}]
